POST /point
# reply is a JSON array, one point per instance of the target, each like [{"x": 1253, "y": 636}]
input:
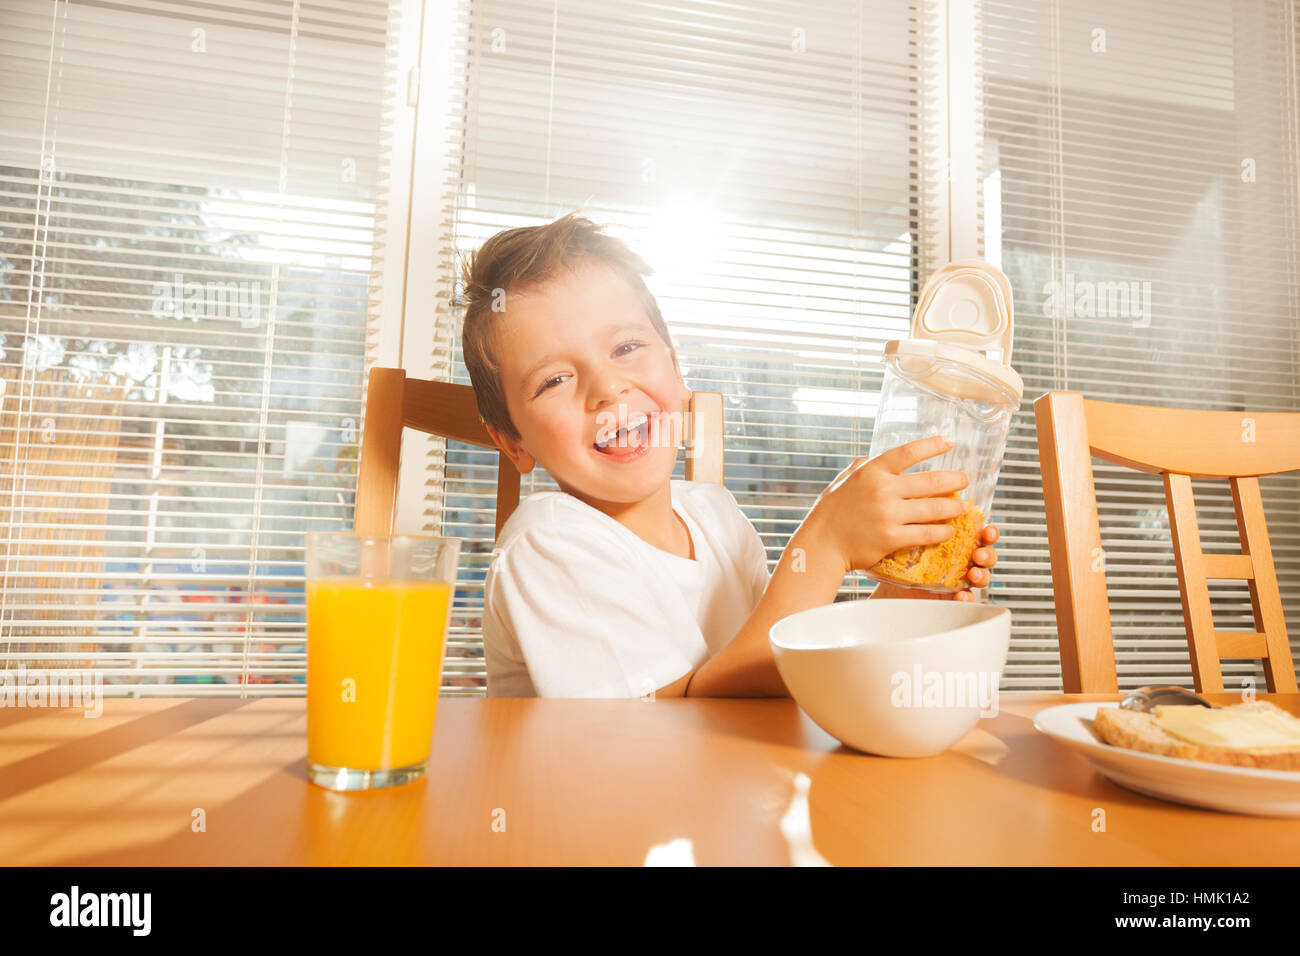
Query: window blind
[
  {"x": 1140, "y": 190},
  {"x": 192, "y": 217},
  {"x": 765, "y": 160}
]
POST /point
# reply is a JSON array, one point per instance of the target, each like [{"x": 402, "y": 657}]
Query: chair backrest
[
  {"x": 395, "y": 402},
  {"x": 1179, "y": 444}
]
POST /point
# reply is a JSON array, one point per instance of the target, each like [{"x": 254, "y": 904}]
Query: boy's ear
[
  {"x": 513, "y": 450},
  {"x": 685, "y": 392}
]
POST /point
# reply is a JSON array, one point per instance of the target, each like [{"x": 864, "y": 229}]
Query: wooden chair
[
  {"x": 394, "y": 402},
  {"x": 1180, "y": 444}
]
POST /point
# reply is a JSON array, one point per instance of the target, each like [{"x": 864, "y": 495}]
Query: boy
[{"x": 626, "y": 583}]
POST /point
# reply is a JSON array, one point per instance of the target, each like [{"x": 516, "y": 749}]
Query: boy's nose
[{"x": 610, "y": 391}]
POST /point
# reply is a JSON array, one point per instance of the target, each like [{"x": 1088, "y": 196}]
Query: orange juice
[{"x": 374, "y": 665}]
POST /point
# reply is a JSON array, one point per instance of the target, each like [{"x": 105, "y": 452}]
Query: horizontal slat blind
[
  {"x": 191, "y": 217},
  {"x": 764, "y": 159},
  {"x": 1154, "y": 145}
]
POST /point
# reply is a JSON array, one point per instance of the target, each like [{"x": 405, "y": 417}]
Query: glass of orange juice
[{"x": 378, "y": 608}]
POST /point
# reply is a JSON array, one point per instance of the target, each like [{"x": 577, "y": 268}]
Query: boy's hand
[
  {"x": 872, "y": 509},
  {"x": 984, "y": 557}
]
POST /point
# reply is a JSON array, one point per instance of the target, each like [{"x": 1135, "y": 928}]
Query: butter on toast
[{"x": 1137, "y": 731}]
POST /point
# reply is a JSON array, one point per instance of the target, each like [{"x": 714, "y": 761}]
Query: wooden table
[{"x": 581, "y": 782}]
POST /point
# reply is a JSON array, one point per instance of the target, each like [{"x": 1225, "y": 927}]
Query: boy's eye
[{"x": 618, "y": 351}]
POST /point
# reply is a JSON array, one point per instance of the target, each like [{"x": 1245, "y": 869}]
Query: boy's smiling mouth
[{"x": 635, "y": 436}]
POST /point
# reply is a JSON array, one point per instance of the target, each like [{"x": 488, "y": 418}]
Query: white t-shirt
[{"x": 577, "y": 605}]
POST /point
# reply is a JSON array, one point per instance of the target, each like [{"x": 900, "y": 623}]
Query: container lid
[{"x": 965, "y": 308}]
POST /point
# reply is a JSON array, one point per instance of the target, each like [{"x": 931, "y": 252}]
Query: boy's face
[{"x": 579, "y": 359}]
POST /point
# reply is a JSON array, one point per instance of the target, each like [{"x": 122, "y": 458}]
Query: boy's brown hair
[{"x": 516, "y": 260}]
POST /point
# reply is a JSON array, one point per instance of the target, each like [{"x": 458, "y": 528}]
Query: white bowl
[{"x": 901, "y": 678}]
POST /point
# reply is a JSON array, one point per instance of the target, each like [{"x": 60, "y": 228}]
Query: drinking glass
[{"x": 378, "y": 607}]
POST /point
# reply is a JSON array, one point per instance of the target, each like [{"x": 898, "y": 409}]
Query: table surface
[{"x": 222, "y": 781}]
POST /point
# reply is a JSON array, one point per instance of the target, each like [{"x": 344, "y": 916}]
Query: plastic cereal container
[{"x": 941, "y": 381}]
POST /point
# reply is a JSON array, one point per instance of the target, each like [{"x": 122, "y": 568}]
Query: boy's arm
[
  {"x": 871, "y": 509},
  {"x": 808, "y": 575}
]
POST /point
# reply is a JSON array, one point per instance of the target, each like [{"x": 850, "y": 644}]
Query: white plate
[{"x": 1270, "y": 793}]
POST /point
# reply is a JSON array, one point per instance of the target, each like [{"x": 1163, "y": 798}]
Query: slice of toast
[{"x": 1136, "y": 731}]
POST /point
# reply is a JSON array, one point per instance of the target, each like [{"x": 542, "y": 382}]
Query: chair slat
[
  {"x": 704, "y": 458},
  {"x": 1191, "y": 441},
  {"x": 381, "y": 452},
  {"x": 446, "y": 410},
  {"x": 1240, "y": 644},
  {"x": 1198, "y": 619},
  {"x": 1228, "y": 567},
  {"x": 1074, "y": 540},
  {"x": 507, "y": 492},
  {"x": 1265, "y": 598}
]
